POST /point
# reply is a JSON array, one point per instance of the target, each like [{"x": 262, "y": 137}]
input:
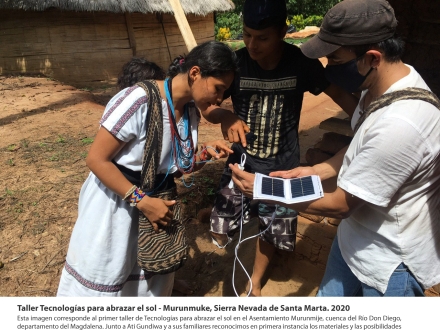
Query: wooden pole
[
  {"x": 130, "y": 32},
  {"x": 183, "y": 24}
]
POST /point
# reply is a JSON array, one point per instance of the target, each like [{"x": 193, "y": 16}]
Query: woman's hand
[
  {"x": 157, "y": 211},
  {"x": 217, "y": 149},
  {"x": 243, "y": 180},
  {"x": 295, "y": 172}
]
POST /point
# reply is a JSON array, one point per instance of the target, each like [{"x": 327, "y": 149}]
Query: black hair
[
  {"x": 214, "y": 59},
  {"x": 262, "y": 14},
  {"x": 392, "y": 48},
  {"x": 139, "y": 69}
]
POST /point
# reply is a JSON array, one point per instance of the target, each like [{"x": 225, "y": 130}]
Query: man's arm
[
  {"x": 233, "y": 128},
  {"x": 344, "y": 99},
  {"x": 337, "y": 204},
  {"x": 326, "y": 170}
]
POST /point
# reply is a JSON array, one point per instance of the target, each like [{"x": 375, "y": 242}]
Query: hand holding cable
[{"x": 214, "y": 149}]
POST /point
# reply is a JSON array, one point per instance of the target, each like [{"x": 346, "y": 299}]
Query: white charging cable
[
  {"x": 241, "y": 167},
  {"x": 231, "y": 185}
]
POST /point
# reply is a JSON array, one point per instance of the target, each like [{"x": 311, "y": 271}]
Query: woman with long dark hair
[{"x": 132, "y": 151}]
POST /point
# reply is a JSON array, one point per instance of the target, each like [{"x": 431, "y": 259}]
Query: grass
[
  {"x": 60, "y": 139},
  {"x": 8, "y": 192},
  {"x": 12, "y": 147},
  {"x": 87, "y": 140},
  {"x": 57, "y": 165},
  {"x": 202, "y": 193},
  {"x": 24, "y": 143}
]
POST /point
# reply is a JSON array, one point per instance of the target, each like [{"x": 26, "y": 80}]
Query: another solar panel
[
  {"x": 301, "y": 187},
  {"x": 272, "y": 187}
]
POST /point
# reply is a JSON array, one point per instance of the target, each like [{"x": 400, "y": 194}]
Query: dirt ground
[{"x": 46, "y": 128}]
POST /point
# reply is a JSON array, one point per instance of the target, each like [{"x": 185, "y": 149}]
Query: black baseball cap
[
  {"x": 352, "y": 23},
  {"x": 261, "y": 14}
]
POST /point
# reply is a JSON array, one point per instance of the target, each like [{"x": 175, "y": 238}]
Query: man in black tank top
[{"x": 267, "y": 96}]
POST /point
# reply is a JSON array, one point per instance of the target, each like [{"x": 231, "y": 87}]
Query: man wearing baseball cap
[
  {"x": 388, "y": 187},
  {"x": 267, "y": 96}
]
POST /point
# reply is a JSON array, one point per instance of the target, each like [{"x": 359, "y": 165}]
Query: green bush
[
  {"x": 297, "y": 10},
  {"x": 229, "y": 20},
  {"x": 309, "y": 7},
  {"x": 298, "y": 22},
  {"x": 314, "y": 20}
]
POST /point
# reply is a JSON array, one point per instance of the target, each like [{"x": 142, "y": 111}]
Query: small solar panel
[
  {"x": 272, "y": 187},
  {"x": 289, "y": 191},
  {"x": 301, "y": 187}
]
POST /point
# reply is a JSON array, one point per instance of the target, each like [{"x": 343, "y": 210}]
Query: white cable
[{"x": 241, "y": 166}]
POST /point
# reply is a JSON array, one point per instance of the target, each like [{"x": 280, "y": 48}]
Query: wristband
[
  {"x": 136, "y": 196},
  {"x": 129, "y": 193}
]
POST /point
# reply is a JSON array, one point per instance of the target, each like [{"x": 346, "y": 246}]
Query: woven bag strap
[
  {"x": 385, "y": 100},
  {"x": 154, "y": 134}
]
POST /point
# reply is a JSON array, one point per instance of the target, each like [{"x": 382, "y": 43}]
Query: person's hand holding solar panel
[
  {"x": 297, "y": 172},
  {"x": 335, "y": 204},
  {"x": 284, "y": 190}
]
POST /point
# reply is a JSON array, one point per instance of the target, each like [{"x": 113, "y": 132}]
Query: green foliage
[
  {"x": 309, "y": 7},
  {"x": 314, "y": 20},
  {"x": 298, "y": 22},
  {"x": 296, "y": 7},
  {"x": 230, "y": 20},
  {"x": 238, "y": 6},
  {"x": 301, "y": 13}
]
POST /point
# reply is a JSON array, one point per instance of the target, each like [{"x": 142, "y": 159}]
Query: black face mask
[{"x": 346, "y": 75}]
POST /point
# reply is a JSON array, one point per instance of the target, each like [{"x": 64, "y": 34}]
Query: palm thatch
[{"x": 197, "y": 7}]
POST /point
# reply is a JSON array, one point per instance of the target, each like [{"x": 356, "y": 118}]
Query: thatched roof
[{"x": 198, "y": 7}]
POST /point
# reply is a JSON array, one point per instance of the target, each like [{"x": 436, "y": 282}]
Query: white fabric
[
  {"x": 393, "y": 164},
  {"x": 103, "y": 246},
  {"x": 131, "y": 155}
]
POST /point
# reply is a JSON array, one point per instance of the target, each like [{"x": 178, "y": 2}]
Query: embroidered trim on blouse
[
  {"x": 128, "y": 114},
  {"x": 101, "y": 287},
  {"x": 117, "y": 104}
]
